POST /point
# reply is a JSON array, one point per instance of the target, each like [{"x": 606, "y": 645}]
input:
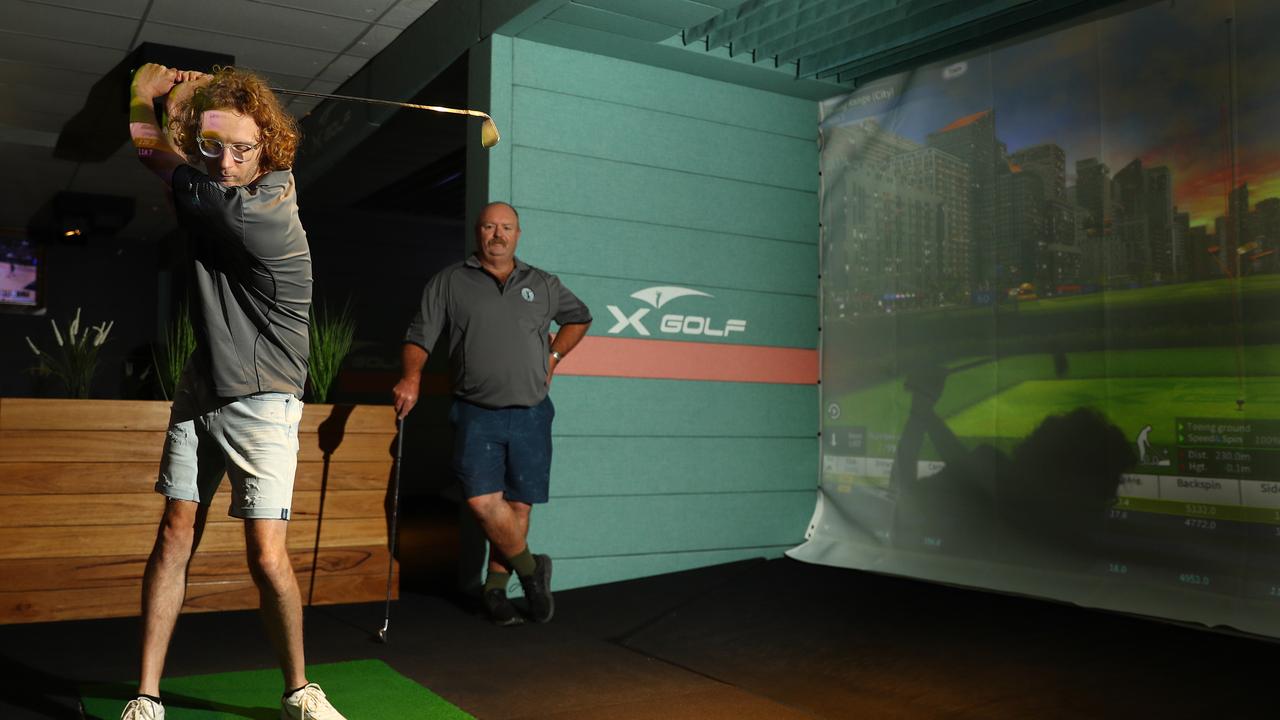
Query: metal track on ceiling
[{"x": 851, "y": 41}]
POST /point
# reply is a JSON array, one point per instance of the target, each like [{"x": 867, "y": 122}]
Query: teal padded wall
[{"x": 628, "y": 176}]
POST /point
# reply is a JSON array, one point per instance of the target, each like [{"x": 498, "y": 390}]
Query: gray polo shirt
[
  {"x": 498, "y": 345},
  {"x": 251, "y": 284}
]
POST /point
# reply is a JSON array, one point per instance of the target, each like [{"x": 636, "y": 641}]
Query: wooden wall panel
[
  {"x": 84, "y": 478},
  {"x": 135, "y": 539},
  {"x": 344, "y": 475},
  {"x": 109, "y": 508},
  {"x": 133, "y": 415},
  {"x": 79, "y": 514},
  {"x": 90, "y": 445},
  {"x": 25, "y": 575},
  {"x": 49, "y": 414},
  {"x": 123, "y": 601},
  {"x": 143, "y": 445},
  {"x": 378, "y": 419}
]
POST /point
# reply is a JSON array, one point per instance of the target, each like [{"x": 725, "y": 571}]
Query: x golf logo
[{"x": 671, "y": 323}]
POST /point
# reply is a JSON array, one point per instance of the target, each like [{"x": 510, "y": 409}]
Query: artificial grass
[
  {"x": 359, "y": 689},
  {"x": 1134, "y": 388},
  {"x": 1129, "y": 403}
]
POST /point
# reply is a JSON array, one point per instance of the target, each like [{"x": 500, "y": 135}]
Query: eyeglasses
[{"x": 211, "y": 148}]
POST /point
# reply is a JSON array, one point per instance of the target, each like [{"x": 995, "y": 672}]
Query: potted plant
[
  {"x": 73, "y": 360},
  {"x": 331, "y": 337},
  {"x": 179, "y": 343}
]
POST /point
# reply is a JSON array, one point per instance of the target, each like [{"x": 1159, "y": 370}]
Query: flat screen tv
[{"x": 21, "y": 286}]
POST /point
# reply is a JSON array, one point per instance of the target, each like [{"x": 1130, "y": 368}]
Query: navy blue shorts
[{"x": 507, "y": 450}]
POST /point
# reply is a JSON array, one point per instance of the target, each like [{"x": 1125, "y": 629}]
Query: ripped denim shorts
[{"x": 252, "y": 439}]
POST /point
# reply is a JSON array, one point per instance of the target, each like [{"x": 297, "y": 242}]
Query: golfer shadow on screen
[{"x": 1047, "y": 498}]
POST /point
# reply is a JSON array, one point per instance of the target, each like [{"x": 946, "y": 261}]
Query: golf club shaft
[
  {"x": 489, "y": 135},
  {"x": 392, "y": 103},
  {"x": 395, "y": 513}
]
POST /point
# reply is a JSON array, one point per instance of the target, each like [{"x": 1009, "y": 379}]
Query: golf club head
[
  {"x": 489, "y": 133},
  {"x": 382, "y": 636}
]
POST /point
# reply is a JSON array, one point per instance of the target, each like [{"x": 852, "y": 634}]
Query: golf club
[
  {"x": 488, "y": 131},
  {"x": 395, "y": 513}
]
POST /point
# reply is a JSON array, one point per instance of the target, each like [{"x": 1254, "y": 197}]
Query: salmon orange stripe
[{"x": 675, "y": 360}]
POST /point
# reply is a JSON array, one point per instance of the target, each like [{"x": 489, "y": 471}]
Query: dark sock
[
  {"x": 152, "y": 698},
  {"x": 497, "y": 580},
  {"x": 287, "y": 693},
  {"x": 524, "y": 563}
]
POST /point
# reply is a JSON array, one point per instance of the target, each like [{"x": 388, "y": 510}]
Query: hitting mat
[{"x": 361, "y": 690}]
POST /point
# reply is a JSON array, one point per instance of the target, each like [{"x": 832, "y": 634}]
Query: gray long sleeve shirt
[
  {"x": 498, "y": 345},
  {"x": 251, "y": 284}
]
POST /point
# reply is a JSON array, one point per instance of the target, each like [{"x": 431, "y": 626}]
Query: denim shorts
[
  {"x": 506, "y": 450},
  {"x": 252, "y": 439}
]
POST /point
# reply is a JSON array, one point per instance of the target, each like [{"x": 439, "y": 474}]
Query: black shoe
[
  {"x": 500, "y": 610},
  {"x": 537, "y": 590}
]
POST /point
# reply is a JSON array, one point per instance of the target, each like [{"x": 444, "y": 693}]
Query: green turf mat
[{"x": 360, "y": 689}]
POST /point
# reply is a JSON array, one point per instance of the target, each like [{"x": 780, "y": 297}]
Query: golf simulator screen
[{"x": 1051, "y": 318}]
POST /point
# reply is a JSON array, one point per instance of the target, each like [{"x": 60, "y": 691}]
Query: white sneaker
[
  {"x": 309, "y": 703},
  {"x": 143, "y": 709}
]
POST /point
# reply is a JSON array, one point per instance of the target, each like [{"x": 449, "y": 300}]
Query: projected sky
[{"x": 1153, "y": 85}]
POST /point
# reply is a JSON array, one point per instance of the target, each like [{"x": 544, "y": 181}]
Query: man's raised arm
[{"x": 155, "y": 149}]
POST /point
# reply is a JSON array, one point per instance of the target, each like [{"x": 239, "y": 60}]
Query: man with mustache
[{"x": 499, "y": 310}]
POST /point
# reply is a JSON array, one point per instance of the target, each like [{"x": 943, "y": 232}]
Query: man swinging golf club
[
  {"x": 498, "y": 310},
  {"x": 237, "y": 408}
]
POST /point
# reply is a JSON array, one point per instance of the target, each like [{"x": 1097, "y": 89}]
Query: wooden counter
[{"x": 78, "y": 514}]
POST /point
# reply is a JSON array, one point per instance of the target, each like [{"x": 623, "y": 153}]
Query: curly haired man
[{"x": 237, "y": 408}]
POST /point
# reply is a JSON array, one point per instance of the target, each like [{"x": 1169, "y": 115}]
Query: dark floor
[{"x": 776, "y": 639}]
